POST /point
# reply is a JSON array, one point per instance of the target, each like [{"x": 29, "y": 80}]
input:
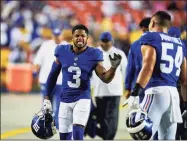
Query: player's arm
[
  {"x": 103, "y": 74},
  {"x": 123, "y": 66},
  {"x": 52, "y": 78},
  {"x": 130, "y": 71},
  {"x": 183, "y": 80},
  {"x": 148, "y": 64}
]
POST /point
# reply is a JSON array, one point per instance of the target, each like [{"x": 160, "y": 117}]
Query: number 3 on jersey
[
  {"x": 177, "y": 61},
  {"x": 76, "y": 77}
]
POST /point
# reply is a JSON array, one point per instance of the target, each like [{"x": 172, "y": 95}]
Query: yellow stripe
[
  {"x": 15, "y": 132},
  {"x": 121, "y": 107}
]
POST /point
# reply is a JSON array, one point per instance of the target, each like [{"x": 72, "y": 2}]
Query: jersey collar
[{"x": 71, "y": 47}]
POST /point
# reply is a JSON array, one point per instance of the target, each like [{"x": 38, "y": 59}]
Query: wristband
[
  {"x": 137, "y": 90},
  {"x": 185, "y": 105}
]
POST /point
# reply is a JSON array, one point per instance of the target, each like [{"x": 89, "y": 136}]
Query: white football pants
[{"x": 162, "y": 106}]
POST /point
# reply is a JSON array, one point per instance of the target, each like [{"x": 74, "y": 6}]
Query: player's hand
[
  {"x": 115, "y": 61},
  {"x": 133, "y": 102},
  {"x": 47, "y": 105},
  {"x": 127, "y": 93},
  {"x": 184, "y": 118}
]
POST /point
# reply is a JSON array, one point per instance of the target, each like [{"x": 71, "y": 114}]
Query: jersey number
[
  {"x": 177, "y": 61},
  {"x": 76, "y": 77}
]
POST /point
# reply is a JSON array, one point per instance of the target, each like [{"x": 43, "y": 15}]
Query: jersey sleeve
[
  {"x": 58, "y": 51},
  {"x": 184, "y": 49},
  {"x": 98, "y": 55},
  {"x": 149, "y": 38},
  {"x": 130, "y": 70}
]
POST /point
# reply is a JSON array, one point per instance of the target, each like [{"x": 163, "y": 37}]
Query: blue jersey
[
  {"x": 185, "y": 44},
  {"x": 76, "y": 71},
  {"x": 134, "y": 65},
  {"x": 169, "y": 57}
]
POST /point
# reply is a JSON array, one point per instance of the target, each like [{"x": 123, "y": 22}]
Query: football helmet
[
  {"x": 43, "y": 125},
  {"x": 139, "y": 125}
]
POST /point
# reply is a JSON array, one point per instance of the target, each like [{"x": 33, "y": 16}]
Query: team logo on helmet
[{"x": 43, "y": 125}]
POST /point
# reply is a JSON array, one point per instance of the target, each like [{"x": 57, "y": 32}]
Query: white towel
[{"x": 175, "y": 109}]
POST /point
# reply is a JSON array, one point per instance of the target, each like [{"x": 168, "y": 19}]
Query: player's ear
[{"x": 153, "y": 24}]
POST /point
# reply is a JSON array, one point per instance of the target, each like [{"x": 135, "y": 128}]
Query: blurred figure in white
[
  {"x": 4, "y": 34},
  {"x": 42, "y": 64},
  {"x": 19, "y": 42},
  {"x": 107, "y": 96}
]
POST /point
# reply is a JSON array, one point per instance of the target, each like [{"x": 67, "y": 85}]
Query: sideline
[
  {"x": 18, "y": 131},
  {"x": 15, "y": 132}
]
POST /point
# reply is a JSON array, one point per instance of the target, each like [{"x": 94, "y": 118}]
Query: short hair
[
  {"x": 145, "y": 22},
  {"x": 80, "y": 26},
  {"x": 164, "y": 19}
]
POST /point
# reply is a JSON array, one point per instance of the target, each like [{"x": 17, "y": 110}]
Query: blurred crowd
[{"x": 26, "y": 24}]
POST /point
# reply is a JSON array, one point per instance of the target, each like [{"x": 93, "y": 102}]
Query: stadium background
[{"x": 26, "y": 24}]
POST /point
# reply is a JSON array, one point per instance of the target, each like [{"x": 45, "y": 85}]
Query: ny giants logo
[{"x": 36, "y": 127}]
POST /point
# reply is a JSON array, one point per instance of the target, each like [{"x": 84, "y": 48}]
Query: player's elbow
[{"x": 183, "y": 81}]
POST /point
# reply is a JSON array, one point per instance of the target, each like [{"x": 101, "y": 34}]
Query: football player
[
  {"x": 135, "y": 63},
  {"x": 162, "y": 62},
  {"x": 135, "y": 60},
  {"x": 42, "y": 64},
  {"x": 77, "y": 62}
]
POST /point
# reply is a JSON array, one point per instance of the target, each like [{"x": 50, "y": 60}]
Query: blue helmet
[
  {"x": 139, "y": 125},
  {"x": 174, "y": 32},
  {"x": 43, "y": 125}
]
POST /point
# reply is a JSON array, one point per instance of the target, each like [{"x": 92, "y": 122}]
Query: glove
[
  {"x": 133, "y": 102},
  {"x": 184, "y": 114},
  {"x": 115, "y": 61},
  {"x": 47, "y": 105}
]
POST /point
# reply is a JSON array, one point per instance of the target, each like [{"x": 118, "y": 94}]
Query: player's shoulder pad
[
  {"x": 135, "y": 44},
  {"x": 96, "y": 53},
  {"x": 60, "y": 49},
  {"x": 149, "y": 38}
]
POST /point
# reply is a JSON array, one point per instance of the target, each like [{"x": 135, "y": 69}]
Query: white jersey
[
  {"x": 45, "y": 58},
  {"x": 115, "y": 87}
]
